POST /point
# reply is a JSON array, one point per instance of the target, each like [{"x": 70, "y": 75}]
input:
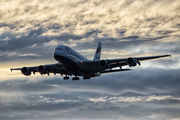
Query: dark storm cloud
[
  {"x": 136, "y": 80},
  {"x": 23, "y": 85},
  {"x": 17, "y": 43},
  {"x": 166, "y": 80}
]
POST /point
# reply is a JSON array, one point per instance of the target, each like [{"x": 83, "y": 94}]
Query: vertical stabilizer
[{"x": 98, "y": 52}]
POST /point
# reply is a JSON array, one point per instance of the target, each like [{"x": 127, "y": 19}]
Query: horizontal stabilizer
[{"x": 116, "y": 70}]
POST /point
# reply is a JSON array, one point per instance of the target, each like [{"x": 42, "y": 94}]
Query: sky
[{"x": 30, "y": 30}]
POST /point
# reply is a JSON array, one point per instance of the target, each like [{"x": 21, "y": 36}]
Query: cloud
[
  {"x": 110, "y": 19},
  {"x": 131, "y": 94},
  {"x": 134, "y": 99}
]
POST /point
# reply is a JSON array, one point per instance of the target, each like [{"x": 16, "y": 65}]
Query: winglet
[
  {"x": 98, "y": 52},
  {"x": 169, "y": 55}
]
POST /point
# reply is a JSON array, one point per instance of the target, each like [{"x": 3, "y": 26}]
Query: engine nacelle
[
  {"x": 26, "y": 71},
  {"x": 132, "y": 62},
  {"x": 42, "y": 69},
  {"x": 103, "y": 63}
]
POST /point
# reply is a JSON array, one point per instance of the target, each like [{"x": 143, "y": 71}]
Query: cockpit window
[
  {"x": 68, "y": 49},
  {"x": 58, "y": 49}
]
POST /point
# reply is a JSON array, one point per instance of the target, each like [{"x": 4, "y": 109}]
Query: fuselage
[{"x": 68, "y": 58}]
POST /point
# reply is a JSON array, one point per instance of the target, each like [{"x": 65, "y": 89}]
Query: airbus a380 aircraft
[{"x": 72, "y": 63}]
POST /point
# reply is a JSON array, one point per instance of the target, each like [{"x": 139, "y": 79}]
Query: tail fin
[{"x": 98, "y": 52}]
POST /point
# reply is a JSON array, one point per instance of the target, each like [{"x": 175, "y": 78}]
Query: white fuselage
[
  {"x": 65, "y": 51},
  {"x": 69, "y": 59}
]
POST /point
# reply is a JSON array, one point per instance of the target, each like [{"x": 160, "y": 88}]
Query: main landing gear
[
  {"x": 76, "y": 78},
  {"x": 66, "y": 78}
]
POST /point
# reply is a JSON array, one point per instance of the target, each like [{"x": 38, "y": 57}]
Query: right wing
[{"x": 44, "y": 69}]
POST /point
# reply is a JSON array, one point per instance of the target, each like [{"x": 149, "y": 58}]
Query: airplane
[{"x": 71, "y": 63}]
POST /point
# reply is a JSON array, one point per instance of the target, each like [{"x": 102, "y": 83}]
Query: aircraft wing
[
  {"x": 139, "y": 58},
  {"x": 102, "y": 65},
  {"x": 43, "y": 69}
]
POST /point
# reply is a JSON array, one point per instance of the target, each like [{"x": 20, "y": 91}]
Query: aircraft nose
[{"x": 57, "y": 52}]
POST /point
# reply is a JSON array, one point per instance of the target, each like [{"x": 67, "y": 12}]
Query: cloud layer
[{"x": 133, "y": 95}]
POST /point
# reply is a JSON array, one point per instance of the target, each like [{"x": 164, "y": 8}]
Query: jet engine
[
  {"x": 103, "y": 63},
  {"x": 42, "y": 69},
  {"x": 132, "y": 62},
  {"x": 26, "y": 71}
]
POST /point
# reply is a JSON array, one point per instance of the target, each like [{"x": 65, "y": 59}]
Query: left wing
[
  {"x": 132, "y": 61},
  {"x": 102, "y": 65},
  {"x": 44, "y": 69}
]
